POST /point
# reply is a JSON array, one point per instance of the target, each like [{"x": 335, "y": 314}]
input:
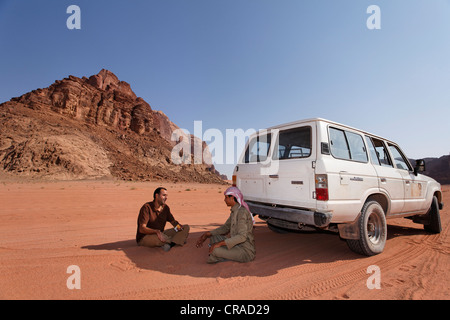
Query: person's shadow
[{"x": 273, "y": 252}]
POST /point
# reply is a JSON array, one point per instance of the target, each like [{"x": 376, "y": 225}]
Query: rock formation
[{"x": 91, "y": 128}]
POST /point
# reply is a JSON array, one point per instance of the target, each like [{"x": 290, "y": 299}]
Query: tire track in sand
[{"x": 353, "y": 273}]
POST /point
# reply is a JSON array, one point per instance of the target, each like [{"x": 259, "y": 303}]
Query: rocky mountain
[
  {"x": 437, "y": 168},
  {"x": 92, "y": 128}
]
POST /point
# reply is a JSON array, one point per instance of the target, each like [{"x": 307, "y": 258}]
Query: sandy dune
[{"x": 47, "y": 227}]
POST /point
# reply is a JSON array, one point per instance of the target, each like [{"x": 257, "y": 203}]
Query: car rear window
[
  {"x": 258, "y": 148},
  {"x": 293, "y": 143}
]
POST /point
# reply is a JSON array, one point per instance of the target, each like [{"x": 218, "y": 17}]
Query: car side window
[
  {"x": 373, "y": 153},
  {"x": 400, "y": 161},
  {"x": 339, "y": 147},
  {"x": 347, "y": 145},
  {"x": 357, "y": 148},
  {"x": 378, "y": 152}
]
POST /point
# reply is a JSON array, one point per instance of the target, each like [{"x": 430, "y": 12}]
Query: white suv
[{"x": 324, "y": 175}]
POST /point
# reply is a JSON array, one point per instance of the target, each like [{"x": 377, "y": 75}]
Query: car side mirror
[{"x": 420, "y": 166}]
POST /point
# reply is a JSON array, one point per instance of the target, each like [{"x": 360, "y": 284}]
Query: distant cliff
[
  {"x": 437, "y": 168},
  {"x": 91, "y": 128}
]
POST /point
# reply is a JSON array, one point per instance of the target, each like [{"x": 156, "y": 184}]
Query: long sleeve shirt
[{"x": 240, "y": 227}]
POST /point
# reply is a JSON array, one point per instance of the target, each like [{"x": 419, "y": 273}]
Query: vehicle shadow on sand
[{"x": 395, "y": 231}]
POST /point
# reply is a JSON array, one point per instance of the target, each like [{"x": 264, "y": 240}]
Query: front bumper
[{"x": 311, "y": 218}]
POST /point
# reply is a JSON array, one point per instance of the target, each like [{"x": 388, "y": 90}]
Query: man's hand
[
  {"x": 202, "y": 239},
  {"x": 216, "y": 245},
  {"x": 162, "y": 237}
]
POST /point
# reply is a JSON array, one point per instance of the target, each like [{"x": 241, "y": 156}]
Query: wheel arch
[
  {"x": 438, "y": 195},
  {"x": 350, "y": 229},
  {"x": 382, "y": 199}
]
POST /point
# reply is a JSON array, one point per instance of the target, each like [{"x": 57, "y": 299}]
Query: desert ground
[{"x": 46, "y": 227}]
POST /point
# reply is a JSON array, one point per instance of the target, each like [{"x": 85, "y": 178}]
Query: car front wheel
[{"x": 434, "y": 218}]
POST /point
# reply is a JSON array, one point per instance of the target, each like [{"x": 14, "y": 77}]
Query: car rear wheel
[{"x": 372, "y": 230}]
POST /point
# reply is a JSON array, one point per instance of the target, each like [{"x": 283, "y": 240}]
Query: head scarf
[{"x": 233, "y": 191}]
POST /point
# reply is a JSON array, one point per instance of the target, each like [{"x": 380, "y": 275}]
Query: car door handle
[
  {"x": 273, "y": 176},
  {"x": 407, "y": 181}
]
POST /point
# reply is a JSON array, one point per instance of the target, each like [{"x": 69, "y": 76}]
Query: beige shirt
[{"x": 240, "y": 227}]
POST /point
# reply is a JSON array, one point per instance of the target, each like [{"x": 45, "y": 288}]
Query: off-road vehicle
[{"x": 324, "y": 175}]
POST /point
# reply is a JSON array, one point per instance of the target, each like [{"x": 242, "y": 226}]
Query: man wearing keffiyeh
[{"x": 240, "y": 246}]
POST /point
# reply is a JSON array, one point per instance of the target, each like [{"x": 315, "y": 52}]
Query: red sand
[{"x": 48, "y": 226}]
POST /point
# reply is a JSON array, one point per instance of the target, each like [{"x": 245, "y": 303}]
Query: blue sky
[{"x": 249, "y": 63}]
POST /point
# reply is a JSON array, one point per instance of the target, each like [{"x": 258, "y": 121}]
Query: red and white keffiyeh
[{"x": 234, "y": 191}]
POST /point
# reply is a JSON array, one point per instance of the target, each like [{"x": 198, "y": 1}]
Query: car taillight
[
  {"x": 321, "y": 187},
  {"x": 234, "y": 180}
]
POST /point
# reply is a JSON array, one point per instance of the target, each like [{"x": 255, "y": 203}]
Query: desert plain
[{"x": 46, "y": 227}]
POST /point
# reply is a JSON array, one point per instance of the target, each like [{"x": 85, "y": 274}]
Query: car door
[
  {"x": 414, "y": 188},
  {"x": 289, "y": 181},
  {"x": 351, "y": 171},
  {"x": 390, "y": 180},
  {"x": 255, "y": 161}
]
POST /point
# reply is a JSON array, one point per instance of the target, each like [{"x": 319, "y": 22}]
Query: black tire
[
  {"x": 372, "y": 230},
  {"x": 434, "y": 218}
]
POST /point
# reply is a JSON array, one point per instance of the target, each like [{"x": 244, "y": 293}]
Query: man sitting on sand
[
  {"x": 240, "y": 246},
  {"x": 152, "y": 221}
]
